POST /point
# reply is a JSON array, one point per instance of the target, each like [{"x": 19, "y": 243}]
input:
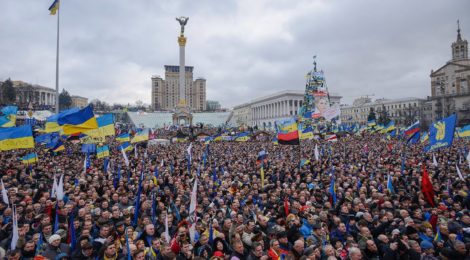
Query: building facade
[
  {"x": 78, "y": 101},
  {"x": 41, "y": 98},
  {"x": 264, "y": 111},
  {"x": 450, "y": 85},
  {"x": 165, "y": 92},
  {"x": 403, "y": 111}
]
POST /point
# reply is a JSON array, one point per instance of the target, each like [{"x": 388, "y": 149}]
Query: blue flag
[
  {"x": 137, "y": 200},
  {"x": 73, "y": 235},
  {"x": 441, "y": 133}
]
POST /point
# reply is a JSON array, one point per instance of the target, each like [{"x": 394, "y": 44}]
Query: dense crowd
[{"x": 291, "y": 213}]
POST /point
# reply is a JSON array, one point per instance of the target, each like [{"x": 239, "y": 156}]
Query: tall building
[
  {"x": 403, "y": 111},
  {"x": 165, "y": 92},
  {"x": 264, "y": 111},
  {"x": 78, "y": 101},
  {"x": 450, "y": 85}
]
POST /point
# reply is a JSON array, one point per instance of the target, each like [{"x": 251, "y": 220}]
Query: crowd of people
[{"x": 289, "y": 205}]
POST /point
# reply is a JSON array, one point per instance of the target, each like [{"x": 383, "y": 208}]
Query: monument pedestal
[{"x": 182, "y": 116}]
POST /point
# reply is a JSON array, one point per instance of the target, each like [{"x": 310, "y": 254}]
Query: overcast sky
[{"x": 245, "y": 49}]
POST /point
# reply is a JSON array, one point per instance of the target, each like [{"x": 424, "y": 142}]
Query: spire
[{"x": 459, "y": 37}]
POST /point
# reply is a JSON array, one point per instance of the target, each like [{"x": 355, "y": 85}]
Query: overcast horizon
[{"x": 110, "y": 49}]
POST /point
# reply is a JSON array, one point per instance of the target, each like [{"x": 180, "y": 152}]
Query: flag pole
[{"x": 57, "y": 65}]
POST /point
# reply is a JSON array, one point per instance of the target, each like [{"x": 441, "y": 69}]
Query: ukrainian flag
[
  {"x": 51, "y": 122},
  {"x": 125, "y": 146},
  {"x": 16, "y": 138},
  {"x": 105, "y": 127},
  {"x": 465, "y": 131},
  {"x": 371, "y": 123},
  {"x": 389, "y": 127},
  {"x": 242, "y": 137},
  {"x": 307, "y": 133},
  {"x": 217, "y": 137},
  {"x": 59, "y": 146},
  {"x": 424, "y": 137},
  {"x": 123, "y": 138},
  {"x": 80, "y": 121},
  {"x": 438, "y": 237},
  {"x": 54, "y": 7},
  {"x": 333, "y": 191},
  {"x": 140, "y": 136},
  {"x": 274, "y": 141},
  {"x": 102, "y": 151},
  {"x": 30, "y": 158},
  {"x": 9, "y": 116}
]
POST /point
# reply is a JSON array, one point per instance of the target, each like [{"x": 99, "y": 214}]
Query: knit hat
[
  {"x": 53, "y": 238},
  {"x": 426, "y": 245}
]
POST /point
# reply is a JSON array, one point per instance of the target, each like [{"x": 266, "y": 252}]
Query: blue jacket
[{"x": 306, "y": 229}]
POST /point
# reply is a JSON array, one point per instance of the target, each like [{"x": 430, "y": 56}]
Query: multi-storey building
[
  {"x": 165, "y": 92},
  {"x": 450, "y": 85},
  {"x": 264, "y": 111},
  {"x": 37, "y": 96},
  {"x": 78, "y": 101}
]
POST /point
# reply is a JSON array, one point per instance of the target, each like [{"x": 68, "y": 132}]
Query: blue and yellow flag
[
  {"x": 59, "y": 146},
  {"x": 371, "y": 123},
  {"x": 441, "y": 133},
  {"x": 51, "y": 122},
  {"x": 389, "y": 127},
  {"x": 54, "y": 7},
  {"x": 123, "y": 138},
  {"x": 333, "y": 191},
  {"x": 102, "y": 151},
  {"x": 464, "y": 131},
  {"x": 274, "y": 141},
  {"x": 424, "y": 137},
  {"x": 307, "y": 133},
  {"x": 105, "y": 127},
  {"x": 78, "y": 122},
  {"x": 8, "y": 119},
  {"x": 16, "y": 138},
  {"x": 30, "y": 158},
  {"x": 242, "y": 137},
  {"x": 140, "y": 136},
  {"x": 125, "y": 146},
  {"x": 438, "y": 237}
]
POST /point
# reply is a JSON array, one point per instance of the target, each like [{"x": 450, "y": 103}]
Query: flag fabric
[
  {"x": 123, "y": 138},
  {"x": 333, "y": 191},
  {"x": 8, "y": 118},
  {"x": 460, "y": 173},
  {"x": 464, "y": 131},
  {"x": 126, "y": 147},
  {"x": 426, "y": 187},
  {"x": 331, "y": 138},
  {"x": 261, "y": 157},
  {"x": 4, "y": 194},
  {"x": 371, "y": 123},
  {"x": 54, "y": 188},
  {"x": 316, "y": 153},
  {"x": 288, "y": 133},
  {"x": 54, "y": 7},
  {"x": 438, "y": 237},
  {"x": 434, "y": 161},
  {"x": 102, "y": 151},
  {"x": 30, "y": 158},
  {"x": 424, "y": 137},
  {"x": 390, "y": 184},
  {"x": 306, "y": 133},
  {"x": 192, "y": 212},
  {"x": 105, "y": 127},
  {"x": 242, "y": 137},
  {"x": 51, "y": 122},
  {"x": 58, "y": 146},
  {"x": 72, "y": 233},
  {"x": 412, "y": 129},
  {"x": 78, "y": 122},
  {"x": 124, "y": 155},
  {"x": 389, "y": 127},
  {"x": 16, "y": 138},
  {"x": 167, "y": 232},
  {"x": 275, "y": 141},
  {"x": 414, "y": 138},
  {"x": 88, "y": 148},
  {"x": 60, "y": 188},
  {"x": 304, "y": 162},
  {"x": 441, "y": 133},
  {"x": 15, "y": 236},
  {"x": 56, "y": 219},
  {"x": 188, "y": 151},
  {"x": 140, "y": 136}
]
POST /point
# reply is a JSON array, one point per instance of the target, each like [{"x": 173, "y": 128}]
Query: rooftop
[{"x": 161, "y": 119}]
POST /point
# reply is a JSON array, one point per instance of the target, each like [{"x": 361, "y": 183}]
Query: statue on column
[{"x": 183, "y": 21}]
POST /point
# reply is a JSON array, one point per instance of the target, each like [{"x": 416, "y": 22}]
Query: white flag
[
  {"x": 54, "y": 188},
  {"x": 189, "y": 151},
  {"x": 192, "y": 212},
  {"x": 125, "y": 157},
  {"x": 167, "y": 232},
  {"x": 317, "y": 154},
  {"x": 5, "y": 195},
  {"x": 84, "y": 165},
  {"x": 161, "y": 164},
  {"x": 60, "y": 188},
  {"x": 468, "y": 159},
  {"x": 14, "y": 238},
  {"x": 434, "y": 161},
  {"x": 136, "y": 153},
  {"x": 459, "y": 173}
]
